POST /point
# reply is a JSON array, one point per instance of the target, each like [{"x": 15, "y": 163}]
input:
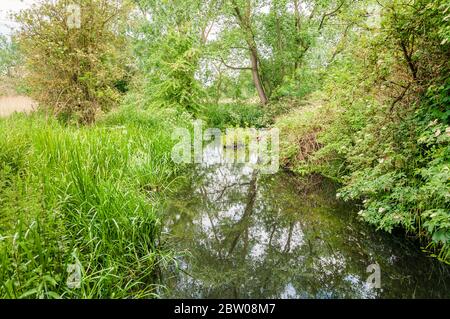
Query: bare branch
[
  {"x": 330, "y": 14},
  {"x": 234, "y": 67}
]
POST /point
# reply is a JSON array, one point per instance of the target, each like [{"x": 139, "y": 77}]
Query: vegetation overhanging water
[
  {"x": 360, "y": 93},
  {"x": 248, "y": 235}
]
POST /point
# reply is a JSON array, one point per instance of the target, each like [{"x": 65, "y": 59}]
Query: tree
[
  {"x": 242, "y": 11},
  {"x": 277, "y": 35},
  {"x": 169, "y": 46},
  {"x": 8, "y": 56},
  {"x": 75, "y": 70}
]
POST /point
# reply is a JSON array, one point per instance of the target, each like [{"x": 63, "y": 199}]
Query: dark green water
[{"x": 247, "y": 235}]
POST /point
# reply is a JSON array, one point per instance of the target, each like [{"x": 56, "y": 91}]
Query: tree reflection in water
[{"x": 248, "y": 235}]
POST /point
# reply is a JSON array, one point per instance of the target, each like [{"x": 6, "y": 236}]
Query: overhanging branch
[
  {"x": 329, "y": 14},
  {"x": 234, "y": 67}
]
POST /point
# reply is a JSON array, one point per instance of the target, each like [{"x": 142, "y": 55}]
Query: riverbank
[
  {"x": 238, "y": 233},
  {"x": 397, "y": 168},
  {"x": 79, "y": 206}
]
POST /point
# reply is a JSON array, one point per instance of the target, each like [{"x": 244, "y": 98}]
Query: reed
[{"x": 85, "y": 196}]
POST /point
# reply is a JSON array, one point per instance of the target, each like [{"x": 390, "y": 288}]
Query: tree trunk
[
  {"x": 256, "y": 77},
  {"x": 297, "y": 29},
  {"x": 246, "y": 26}
]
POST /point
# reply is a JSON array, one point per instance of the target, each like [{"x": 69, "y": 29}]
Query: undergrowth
[
  {"x": 84, "y": 197},
  {"x": 380, "y": 125}
]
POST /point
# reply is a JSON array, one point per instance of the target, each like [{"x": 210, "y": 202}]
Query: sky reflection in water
[{"x": 271, "y": 236}]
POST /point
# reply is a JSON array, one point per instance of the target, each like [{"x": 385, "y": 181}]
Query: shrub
[
  {"x": 171, "y": 82},
  {"x": 234, "y": 115},
  {"x": 388, "y": 140},
  {"x": 74, "y": 71}
]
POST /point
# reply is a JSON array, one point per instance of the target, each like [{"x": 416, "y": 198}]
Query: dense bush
[
  {"x": 234, "y": 115},
  {"x": 75, "y": 71},
  {"x": 387, "y": 137},
  {"x": 170, "y": 82},
  {"x": 8, "y": 56}
]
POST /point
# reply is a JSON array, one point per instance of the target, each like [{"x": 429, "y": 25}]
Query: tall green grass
[
  {"x": 234, "y": 115},
  {"x": 85, "y": 196}
]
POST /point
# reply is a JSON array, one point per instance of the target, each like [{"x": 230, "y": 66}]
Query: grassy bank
[
  {"x": 84, "y": 196},
  {"x": 234, "y": 115}
]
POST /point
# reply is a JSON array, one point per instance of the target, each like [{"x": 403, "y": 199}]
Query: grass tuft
[{"x": 85, "y": 196}]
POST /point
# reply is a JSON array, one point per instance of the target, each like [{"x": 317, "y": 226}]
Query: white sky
[{"x": 11, "y": 6}]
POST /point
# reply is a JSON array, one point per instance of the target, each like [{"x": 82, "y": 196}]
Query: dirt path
[{"x": 11, "y": 104}]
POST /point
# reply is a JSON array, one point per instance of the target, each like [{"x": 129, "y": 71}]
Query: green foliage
[
  {"x": 303, "y": 43},
  {"x": 74, "y": 72},
  {"x": 388, "y": 140},
  {"x": 11, "y": 69},
  {"x": 402, "y": 172},
  {"x": 234, "y": 115},
  {"x": 298, "y": 85},
  {"x": 168, "y": 50},
  {"x": 9, "y": 57},
  {"x": 84, "y": 195},
  {"x": 171, "y": 80},
  {"x": 299, "y": 130}
]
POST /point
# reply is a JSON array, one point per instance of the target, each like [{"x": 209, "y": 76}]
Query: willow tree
[
  {"x": 75, "y": 55},
  {"x": 272, "y": 38}
]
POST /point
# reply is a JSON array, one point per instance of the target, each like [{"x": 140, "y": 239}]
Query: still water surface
[{"x": 247, "y": 235}]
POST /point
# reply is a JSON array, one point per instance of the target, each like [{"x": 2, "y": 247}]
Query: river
[{"x": 241, "y": 234}]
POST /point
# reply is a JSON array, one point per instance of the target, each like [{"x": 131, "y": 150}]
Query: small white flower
[
  {"x": 434, "y": 122},
  {"x": 381, "y": 210},
  {"x": 437, "y": 133}
]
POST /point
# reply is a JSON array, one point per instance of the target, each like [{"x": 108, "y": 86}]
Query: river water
[{"x": 242, "y": 234}]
